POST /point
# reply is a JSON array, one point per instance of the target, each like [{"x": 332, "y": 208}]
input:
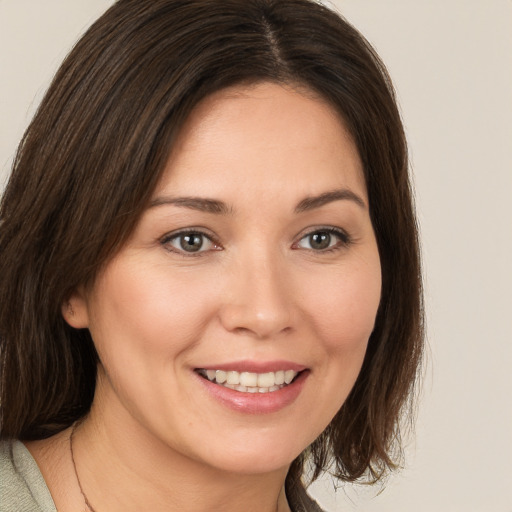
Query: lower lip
[{"x": 256, "y": 403}]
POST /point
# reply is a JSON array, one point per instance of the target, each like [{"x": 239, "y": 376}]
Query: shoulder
[{"x": 22, "y": 487}]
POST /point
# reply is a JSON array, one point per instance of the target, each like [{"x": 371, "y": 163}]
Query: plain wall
[{"x": 451, "y": 61}]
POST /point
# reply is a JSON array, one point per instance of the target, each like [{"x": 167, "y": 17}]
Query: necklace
[{"x": 87, "y": 504}]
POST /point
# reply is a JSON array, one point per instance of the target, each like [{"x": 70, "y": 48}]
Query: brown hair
[{"x": 95, "y": 150}]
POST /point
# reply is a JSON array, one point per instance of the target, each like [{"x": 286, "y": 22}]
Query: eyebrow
[
  {"x": 194, "y": 203},
  {"x": 215, "y": 206},
  {"x": 310, "y": 203}
]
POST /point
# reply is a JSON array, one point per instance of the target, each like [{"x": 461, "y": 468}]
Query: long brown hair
[{"x": 95, "y": 150}]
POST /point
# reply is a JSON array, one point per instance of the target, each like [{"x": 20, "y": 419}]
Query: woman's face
[{"x": 256, "y": 263}]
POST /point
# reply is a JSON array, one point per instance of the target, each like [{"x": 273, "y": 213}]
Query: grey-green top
[
  {"x": 22, "y": 486},
  {"x": 23, "y": 489}
]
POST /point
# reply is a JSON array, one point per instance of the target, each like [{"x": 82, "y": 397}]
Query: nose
[{"x": 259, "y": 299}]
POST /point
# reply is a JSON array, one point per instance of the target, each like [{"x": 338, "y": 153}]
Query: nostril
[{"x": 252, "y": 321}]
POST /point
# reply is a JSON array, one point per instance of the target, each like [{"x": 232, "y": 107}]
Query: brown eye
[
  {"x": 189, "y": 242},
  {"x": 324, "y": 240},
  {"x": 320, "y": 240}
]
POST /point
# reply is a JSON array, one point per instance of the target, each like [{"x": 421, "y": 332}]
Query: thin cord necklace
[{"x": 87, "y": 504}]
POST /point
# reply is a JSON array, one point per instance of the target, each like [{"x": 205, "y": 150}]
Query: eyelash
[
  {"x": 344, "y": 241},
  {"x": 167, "y": 239}
]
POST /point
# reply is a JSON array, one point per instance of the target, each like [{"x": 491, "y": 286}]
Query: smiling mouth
[{"x": 248, "y": 382}]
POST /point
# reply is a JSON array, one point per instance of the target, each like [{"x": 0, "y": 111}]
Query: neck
[{"x": 149, "y": 475}]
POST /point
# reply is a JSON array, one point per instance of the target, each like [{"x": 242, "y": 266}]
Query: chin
[
  {"x": 257, "y": 456},
  {"x": 252, "y": 463}
]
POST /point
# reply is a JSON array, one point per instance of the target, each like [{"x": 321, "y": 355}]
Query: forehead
[{"x": 262, "y": 138}]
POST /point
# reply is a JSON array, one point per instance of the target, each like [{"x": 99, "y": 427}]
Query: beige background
[{"x": 452, "y": 65}]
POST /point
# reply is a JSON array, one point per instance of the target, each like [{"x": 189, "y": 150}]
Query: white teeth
[
  {"x": 233, "y": 378},
  {"x": 289, "y": 375},
  {"x": 279, "y": 378},
  {"x": 248, "y": 382},
  {"x": 266, "y": 380},
  {"x": 249, "y": 379}
]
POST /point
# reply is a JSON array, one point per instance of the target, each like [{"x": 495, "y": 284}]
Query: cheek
[
  {"x": 147, "y": 312},
  {"x": 343, "y": 311},
  {"x": 344, "y": 306}
]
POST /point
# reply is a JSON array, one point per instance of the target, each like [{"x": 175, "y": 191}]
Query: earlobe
[{"x": 74, "y": 310}]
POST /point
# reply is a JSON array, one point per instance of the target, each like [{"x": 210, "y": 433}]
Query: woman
[{"x": 210, "y": 261}]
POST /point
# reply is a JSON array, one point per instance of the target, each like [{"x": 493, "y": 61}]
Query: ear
[{"x": 75, "y": 310}]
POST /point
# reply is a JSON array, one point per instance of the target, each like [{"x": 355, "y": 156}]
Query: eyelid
[
  {"x": 168, "y": 237},
  {"x": 344, "y": 238}
]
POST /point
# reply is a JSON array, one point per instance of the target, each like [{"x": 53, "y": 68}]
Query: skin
[{"x": 257, "y": 291}]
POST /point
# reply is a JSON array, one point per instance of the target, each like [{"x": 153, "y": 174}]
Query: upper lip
[{"x": 255, "y": 366}]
